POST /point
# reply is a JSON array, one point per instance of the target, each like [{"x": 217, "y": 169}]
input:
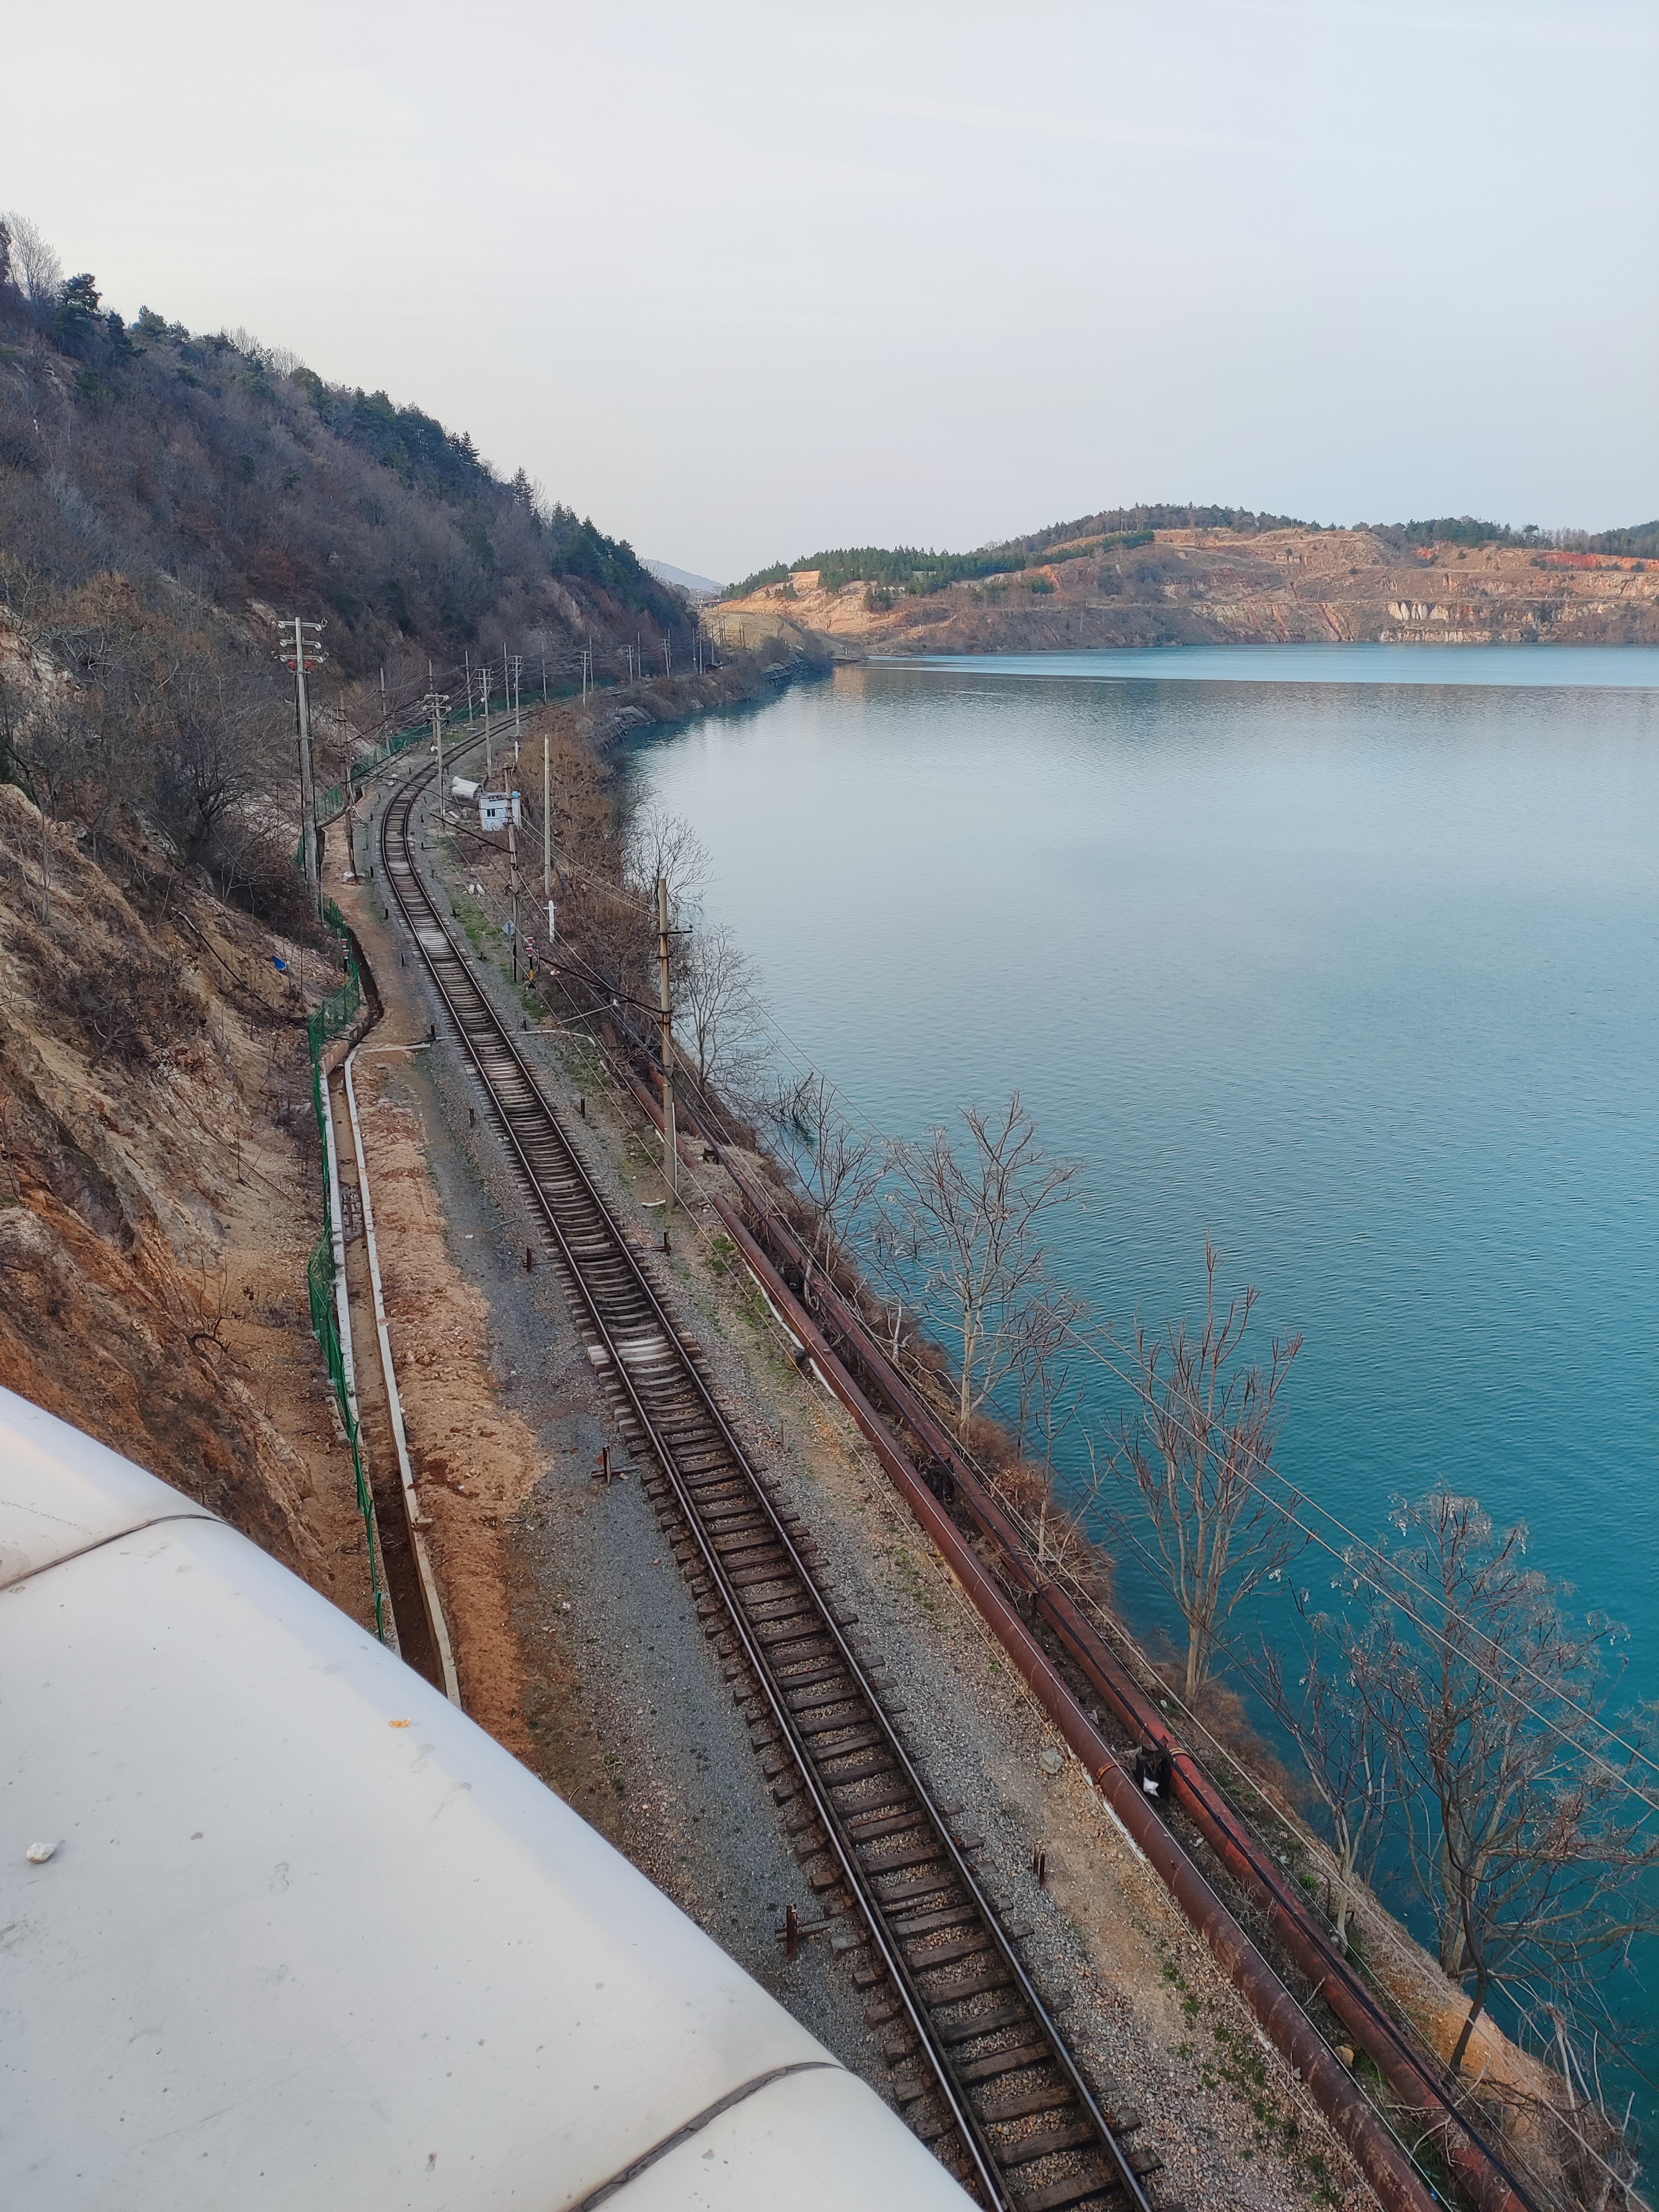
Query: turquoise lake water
[{"x": 1346, "y": 956}]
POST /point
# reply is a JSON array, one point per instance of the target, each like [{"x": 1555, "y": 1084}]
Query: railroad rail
[
  {"x": 943, "y": 1490},
  {"x": 989, "y": 2080}
]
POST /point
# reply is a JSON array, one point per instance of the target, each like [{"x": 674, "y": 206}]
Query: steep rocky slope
[{"x": 159, "y": 1187}]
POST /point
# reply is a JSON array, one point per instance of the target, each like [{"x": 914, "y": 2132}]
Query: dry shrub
[
  {"x": 118, "y": 1002},
  {"x": 254, "y": 870}
]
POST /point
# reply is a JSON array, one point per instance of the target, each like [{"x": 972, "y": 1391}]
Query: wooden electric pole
[
  {"x": 670, "y": 1149},
  {"x": 301, "y": 652}
]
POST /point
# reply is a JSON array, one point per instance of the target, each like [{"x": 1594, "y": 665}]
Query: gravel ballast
[{"x": 635, "y": 1721}]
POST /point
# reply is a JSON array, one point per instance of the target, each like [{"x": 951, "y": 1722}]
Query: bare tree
[
  {"x": 1523, "y": 1817},
  {"x": 974, "y": 1215},
  {"x": 1333, "y": 1719},
  {"x": 47, "y": 745},
  {"x": 718, "y": 1008},
  {"x": 1198, "y": 1449},
  {"x": 659, "y": 843},
  {"x": 1047, "y": 1344},
  {"x": 33, "y": 267},
  {"x": 217, "y": 753},
  {"x": 838, "y": 1168}
]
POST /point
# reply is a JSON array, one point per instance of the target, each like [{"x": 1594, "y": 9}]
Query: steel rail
[
  {"x": 485, "y": 1039},
  {"x": 1480, "y": 2165}
]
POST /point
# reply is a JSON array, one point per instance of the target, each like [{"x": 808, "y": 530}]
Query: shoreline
[{"x": 1413, "y": 1974}]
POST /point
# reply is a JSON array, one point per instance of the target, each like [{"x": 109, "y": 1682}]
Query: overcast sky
[{"x": 747, "y": 278}]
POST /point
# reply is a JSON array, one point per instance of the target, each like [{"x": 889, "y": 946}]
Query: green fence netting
[{"x": 343, "y": 1005}]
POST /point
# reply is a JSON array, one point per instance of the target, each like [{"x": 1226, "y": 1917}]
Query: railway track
[{"x": 984, "y": 2074}]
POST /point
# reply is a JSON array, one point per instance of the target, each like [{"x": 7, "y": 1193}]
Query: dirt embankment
[
  {"x": 160, "y": 1185},
  {"x": 1225, "y": 587}
]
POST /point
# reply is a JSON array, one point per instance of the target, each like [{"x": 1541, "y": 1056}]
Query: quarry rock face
[{"x": 1216, "y": 588}]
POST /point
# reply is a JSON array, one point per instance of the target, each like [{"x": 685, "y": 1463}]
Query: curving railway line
[{"x": 985, "y": 2076}]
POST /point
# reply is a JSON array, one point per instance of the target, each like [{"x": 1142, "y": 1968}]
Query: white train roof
[{"x": 306, "y": 1937}]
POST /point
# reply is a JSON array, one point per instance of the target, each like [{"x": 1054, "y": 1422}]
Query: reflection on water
[
  {"x": 1360, "y": 980},
  {"x": 1356, "y": 975}
]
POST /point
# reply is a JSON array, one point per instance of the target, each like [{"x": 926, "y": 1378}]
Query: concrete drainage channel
[
  {"x": 415, "y": 1627},
  {"x": 414, "y": 1520}
]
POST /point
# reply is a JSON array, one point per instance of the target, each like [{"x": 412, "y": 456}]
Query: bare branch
[
  {"x": 1196, "y": 1447},
  {"x": 972, "y": 1215},
  {"x": 719, "y": 1009},
  {"x": 1526, "y": 1836}
]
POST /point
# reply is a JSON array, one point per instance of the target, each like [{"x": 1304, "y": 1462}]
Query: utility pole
[
  {"x": 483, "y": 681},
  {"x": 547, "y": 836},
  {"x": 302, "y": 651},
  {"x": 513, "y": 879},
  {"x": 350, "y": 795},
  {"x": 670, "y": 1149},
  {"x": 434, "y": 703}
]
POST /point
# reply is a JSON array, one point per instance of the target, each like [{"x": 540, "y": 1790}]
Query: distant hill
[
  {"x": 918, "y": 571},
  {"x": 1198, "y": 575},
  {"x": 699, "y": 587}
]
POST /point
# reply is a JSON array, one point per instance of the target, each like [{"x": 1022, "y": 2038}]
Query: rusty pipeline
[
  {"x": 1481, "y": 2170},
  {"x": 1293, "y": 2033}
]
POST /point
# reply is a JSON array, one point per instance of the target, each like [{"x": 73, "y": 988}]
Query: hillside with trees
[
  {"x": 164, "y": 493},
  {"x": 914, "y": 569},
  {"x": 1196, "y": 576}
]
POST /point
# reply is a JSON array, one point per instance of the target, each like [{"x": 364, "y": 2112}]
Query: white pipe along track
[{"x": 432, "y": 1605}]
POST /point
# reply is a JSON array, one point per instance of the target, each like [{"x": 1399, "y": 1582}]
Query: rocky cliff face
[{"x": 1198, "y": 587}]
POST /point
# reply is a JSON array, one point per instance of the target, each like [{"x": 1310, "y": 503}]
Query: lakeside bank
[{"x": 1167, "y": 824}]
